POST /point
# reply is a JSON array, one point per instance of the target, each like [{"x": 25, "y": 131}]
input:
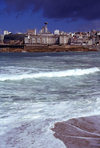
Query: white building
[
  {"x": 63, "y": 39},
  {"x": 56, "y": 32},
  {"x": 1, "y": 39},
  {"x": 6, "y": 32},
  {"x": 44, "y": 39},
  {"x": 90, "y": 42}
]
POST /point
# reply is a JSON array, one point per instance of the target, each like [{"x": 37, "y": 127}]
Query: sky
[{"x": 65, "y": 15}]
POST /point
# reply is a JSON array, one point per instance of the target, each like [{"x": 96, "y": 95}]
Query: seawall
[{"x": 53, "y": 48}]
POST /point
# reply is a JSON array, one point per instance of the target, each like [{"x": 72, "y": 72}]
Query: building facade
[
  {"x": 45, "y": 38},
  {"x": 1, "y": 39},
  {"x": 63, "y": 39}
]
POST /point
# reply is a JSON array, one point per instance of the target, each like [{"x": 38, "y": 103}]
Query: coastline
[
  {"x": 53, "y": 48},
  {"x": 83, "y": 132}
]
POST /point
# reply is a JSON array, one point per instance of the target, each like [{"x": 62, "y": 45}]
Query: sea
[{"x": 39, "y": 89}]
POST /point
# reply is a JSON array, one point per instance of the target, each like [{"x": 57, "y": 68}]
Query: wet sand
[{"x": 79, "y": 133}]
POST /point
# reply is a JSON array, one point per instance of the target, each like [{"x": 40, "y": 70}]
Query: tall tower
[{"x": 45, "y": 27}]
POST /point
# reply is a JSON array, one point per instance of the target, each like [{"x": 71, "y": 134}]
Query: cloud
[{"x": 58, "y": 9}]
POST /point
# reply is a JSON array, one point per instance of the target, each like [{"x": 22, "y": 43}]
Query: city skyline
[{"x": 65, "y": 15}]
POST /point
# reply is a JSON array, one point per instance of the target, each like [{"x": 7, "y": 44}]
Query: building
[
  {"x": 44, "y": 29},
  {"x": 45, "y": 37},
  {"x": 98, "y": 38},
  {"x": 1, "y": 39},
  {"x": 90, "y": 42},
  {"x": 6, "y": 32},
  {"x": 63, "y": 39},
  {"x": 31, "y": 32},
  {"x": 14, "y": 39},
  {"x": 57, "y": 32}
]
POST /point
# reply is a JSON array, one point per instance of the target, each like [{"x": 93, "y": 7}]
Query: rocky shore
[
  {"x": 54, "y": 48},
  {"x": 75, "y": 133},
  {"x": 79, "y": 133}
]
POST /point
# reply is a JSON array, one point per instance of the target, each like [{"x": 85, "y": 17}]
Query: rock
[{"x": 79, "y": 133}]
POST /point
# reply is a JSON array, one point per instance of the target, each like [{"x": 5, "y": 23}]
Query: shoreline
[
  {"x": 53, "y": 48},
  {"x": 81, "y": 132}
]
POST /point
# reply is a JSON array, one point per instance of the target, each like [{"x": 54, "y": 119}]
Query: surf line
[{"x": 66, "y": 73}]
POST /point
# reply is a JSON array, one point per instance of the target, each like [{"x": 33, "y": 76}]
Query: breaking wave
[{"x": 66, "y": 73}]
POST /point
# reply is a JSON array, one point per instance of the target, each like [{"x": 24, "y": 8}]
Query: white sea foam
[{"x": 66, "y": 73}]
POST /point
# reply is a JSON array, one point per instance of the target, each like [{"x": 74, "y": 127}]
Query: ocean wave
[{"x": 66, "y": 73}]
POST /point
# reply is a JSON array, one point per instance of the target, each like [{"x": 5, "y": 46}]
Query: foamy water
[
  {"x": 38, "y": 90},
  {"x": 66, "y": 73}
]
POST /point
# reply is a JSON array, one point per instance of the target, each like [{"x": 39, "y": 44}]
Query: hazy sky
[{"x": 67, "y": 15}]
